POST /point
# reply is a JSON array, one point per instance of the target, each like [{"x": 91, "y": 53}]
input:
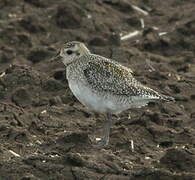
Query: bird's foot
[
  {"x": 99, "y": 142},
  {"x": 102, "y": 143}
]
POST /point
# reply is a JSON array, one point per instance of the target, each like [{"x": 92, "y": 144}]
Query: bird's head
[{"x": 71, "y": 51}]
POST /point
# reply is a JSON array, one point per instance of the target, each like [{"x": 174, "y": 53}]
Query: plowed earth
[{"x": 45, "y": 132}]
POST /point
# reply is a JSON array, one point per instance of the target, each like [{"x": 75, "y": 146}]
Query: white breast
[
  {"x": 87, "y": 97},
  {"x": 100, "y": 103}
]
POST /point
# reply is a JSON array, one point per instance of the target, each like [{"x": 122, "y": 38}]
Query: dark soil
[{"x": 45, "y": 132}]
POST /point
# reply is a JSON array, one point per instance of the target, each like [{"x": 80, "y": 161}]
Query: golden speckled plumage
[{"x": 102, "y": 84}]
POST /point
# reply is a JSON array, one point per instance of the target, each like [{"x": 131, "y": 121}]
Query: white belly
[
  {"x": 100, "y": 102},
  {"x": 95, "y": 101}
]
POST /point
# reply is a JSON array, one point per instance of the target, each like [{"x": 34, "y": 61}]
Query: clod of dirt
[
  {"x": 184, "y": 68},
  {"x": 98, "y": 41},
  {"x": 74, "y": 138},
  {"x": 181, "y": 98},
  {"x": 2, "y": 92},
  {"x": 75, "y": 159},
  {"x": 166, "y": 144},
  {"x": 114, "y": 40},
  {"x": 155, "y": 44},
  {"x": 37, "y": 55},
  {"x": 52, "y": 85},
  {"x": 7, "y": 3},
  {"x": 147, "y": 174},
  {"x": 192, "y": 97},
  {"x": 17, "y": 76},
  {"x": 6, "y": 55},
  {"x": 133, "y": 21},
  {"x": 29, "y": 177},
  {"x": 40, "y": 101},
  {"x": 155, "y": 75},
  {"x": 31, "y": 25},
  {"x": 174, "y": 123},
  {"x": 55, "y": 101},
  {"x": 69, "y": 16},
  {"x": 37, "y": 3},
  {"x": 17, "y": 135},
  {"x": 68, "y": 98},
  {"x": 24, "y": 39},
  {"x": 175, "y": 88},
  {"x": 121, "y": 5},
  {"x": 21, "y": 97},
  {"x": 187, "y": 29},
  {"x": 4, "y": 58},
  {"x": 178, "y": 160},
  {"x": 34, "y": 127},
  {"x": 154, "y": 117},
  {"x": 193, "y": 115},
  {"x": 59, "y": 74}
]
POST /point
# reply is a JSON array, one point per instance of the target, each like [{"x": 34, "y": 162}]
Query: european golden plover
[{"x": 103, "y": 85}]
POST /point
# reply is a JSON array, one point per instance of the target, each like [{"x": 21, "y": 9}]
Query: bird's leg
[{"x": 106, "y": 131}]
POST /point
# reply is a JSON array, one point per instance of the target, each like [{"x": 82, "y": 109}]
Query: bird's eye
[{"x": 69, "y": 52}]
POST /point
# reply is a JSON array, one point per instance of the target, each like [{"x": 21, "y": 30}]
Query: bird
[{"x": 103, "y": 84}]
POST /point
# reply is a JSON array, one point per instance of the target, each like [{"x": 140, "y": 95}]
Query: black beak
[{"x": 57, "y": 57}]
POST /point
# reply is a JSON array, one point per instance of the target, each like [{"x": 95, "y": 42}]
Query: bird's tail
[{"x": 167, "y": 98}]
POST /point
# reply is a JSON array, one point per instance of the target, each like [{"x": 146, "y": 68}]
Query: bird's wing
[{"x": 108, "y": 76}]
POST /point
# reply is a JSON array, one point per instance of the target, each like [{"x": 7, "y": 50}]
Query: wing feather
[{"x": 109, "y": 76}]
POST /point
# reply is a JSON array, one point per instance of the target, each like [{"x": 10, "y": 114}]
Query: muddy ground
[{"x": 45, "y": 132}]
